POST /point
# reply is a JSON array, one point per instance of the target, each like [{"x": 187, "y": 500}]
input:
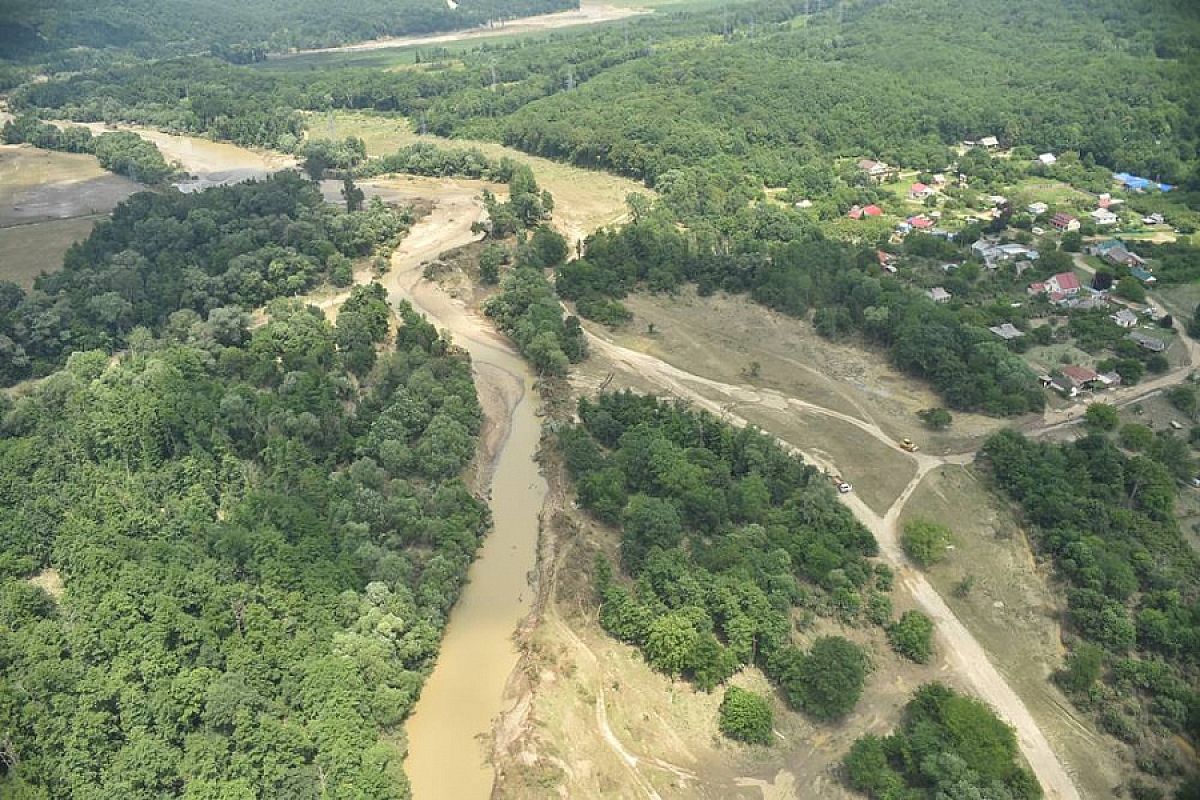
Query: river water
[
  {"x": 449, "y": 730},
  {"x": 466, "y": 691}
]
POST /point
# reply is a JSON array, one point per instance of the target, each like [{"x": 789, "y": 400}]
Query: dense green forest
[
  {"x": 747, "y": 96},
  {"x": 1106, "y": 517},
  {"x": 723, "y": 535},
  {"x": 237, "y": 246},
  {"x": 73, "y": 32},
  {"x": 121, "y": 152},
  {"x": 259, "y": 547},
  {"x": 946, "y": 746}
]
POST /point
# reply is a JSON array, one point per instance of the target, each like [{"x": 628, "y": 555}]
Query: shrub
[
  {"x": 925, "y": 542},
  {"x": 912, "y": 636},
  {"x": 746, "y": 716}
]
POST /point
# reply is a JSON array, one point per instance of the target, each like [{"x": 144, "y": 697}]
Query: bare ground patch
[
  {"x": 723, "y": 335},
  {"x": 49, "y": 581},
  {"x": 38, "y": 185},
  {"x": 26, "y": 251}
]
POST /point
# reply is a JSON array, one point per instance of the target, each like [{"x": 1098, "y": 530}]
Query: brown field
[
  {"x": 38, "y": 185},
  {"x": 26, "y": 251},
  {"x": 1013, "y": 609},
  {"x": 48, "y": 201},
  {"x": 720, "y": 336}
]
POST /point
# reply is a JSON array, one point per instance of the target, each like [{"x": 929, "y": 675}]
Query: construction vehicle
[{"x": 908, "y": 446}]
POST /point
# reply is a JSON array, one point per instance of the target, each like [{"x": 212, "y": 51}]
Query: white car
[{"x": 844, "y": 487}]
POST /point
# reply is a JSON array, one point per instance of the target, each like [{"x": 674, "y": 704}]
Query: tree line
[
  {"x": 237, "y": 246},
  {"x": 122, "y": 152},
  {"x": 1103, "y": 511},
  {"x": 784, "y": 262},
  {"x": 64, "y": 35}
]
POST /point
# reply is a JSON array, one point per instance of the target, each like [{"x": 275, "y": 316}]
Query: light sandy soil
[
  {"x": 49, "y": 581},
  {"x": 584, "y": 199},
  {"x": 586, "y": 14}
]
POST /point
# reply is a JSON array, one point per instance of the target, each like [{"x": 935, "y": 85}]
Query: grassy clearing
[
  {"x": 1180, "y": 301},
  {"x": 26, "y": 251},
  {"x": 587, "y": 199},
  {"x": 720, "y": 337},
  {"x": 1013, "y": 609}
]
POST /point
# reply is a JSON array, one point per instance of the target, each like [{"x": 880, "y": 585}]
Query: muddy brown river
[{"x": 449, "y": 732}]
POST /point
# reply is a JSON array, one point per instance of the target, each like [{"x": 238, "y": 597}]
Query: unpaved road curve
[
  {"x": 967, "y": 654},
  {"x": 449, "y": 226},
  {"x": 586, "y": 14}
]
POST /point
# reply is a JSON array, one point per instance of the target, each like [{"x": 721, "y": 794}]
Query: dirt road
[
  {"x": 969, "y": 657},
  {"x": 449, "y": 225},
  {"x": 586, "y": 14}
]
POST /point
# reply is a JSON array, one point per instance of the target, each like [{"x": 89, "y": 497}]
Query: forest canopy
[{"x": 259, "y": 553}]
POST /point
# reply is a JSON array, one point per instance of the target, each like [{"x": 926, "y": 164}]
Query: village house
[
  {"x": 1037, "y": 209},
  {"x": 887, "y": 261},
  {"x": 1120, "y": 257},
  {"x": 858, "y": 212},
  {"x": 1154, "y": 219},
  {"x": 1147, "y": 342},
  {"x": 1047, "y": 159},
  {"x": 1007, "y": 331},
  {"x": 919, "y": 191},
  {"x": 878, "y": 171},
  {"x": 1094, "y": 302},
  {"x": 1064, "y": 222},
  {"x": 939, "y": 295},
  {"x": 1124, "y": 318},
  {"x": 1064, "y": 284},
  {"x": 989, "y": 142},
  {"x": 1104, "y": 217},
  {"x": 920, "y": 222},
  {"x": 1142, "y": 274},
  {"x": 1070, "y": 380}
]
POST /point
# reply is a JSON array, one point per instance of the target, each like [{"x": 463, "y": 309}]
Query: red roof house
[
  {"x": 920, "y": 222},
  {"x": 873, "y": 211},
  {"x": 920, "y": 191}
]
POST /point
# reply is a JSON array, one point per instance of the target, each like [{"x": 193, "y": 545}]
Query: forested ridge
[
  {"x": 74, "y": 31},
  {"x": 259, "y": 548},
  {"x": 746, "y": 93}
]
